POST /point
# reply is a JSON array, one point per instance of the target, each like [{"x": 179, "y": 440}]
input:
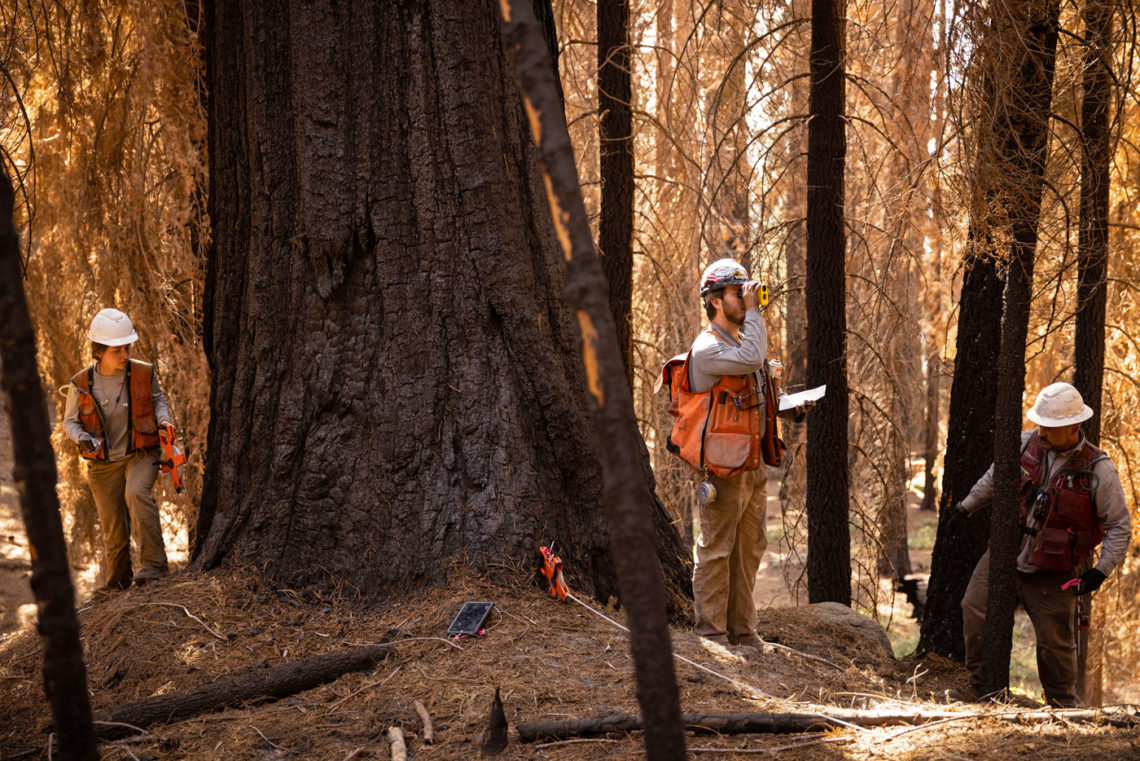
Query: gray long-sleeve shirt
[
  {"x": 111, "y": 396},
  {"x": 1111, "y": 507},
  {"x": 712, "y": 358}
]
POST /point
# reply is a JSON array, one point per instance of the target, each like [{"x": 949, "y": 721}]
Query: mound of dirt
[
  {"x": 550, "y": 660},
  {"x": 827, "y": 629}
]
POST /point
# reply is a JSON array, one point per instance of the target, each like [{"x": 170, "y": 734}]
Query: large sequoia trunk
[{"x": 396, "y": 382}]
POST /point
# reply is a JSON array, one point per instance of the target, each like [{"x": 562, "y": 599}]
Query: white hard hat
[
  {"x": 721, "y": 273},
  {"x": 1059, "y": 405},
  {"x": 112, "y": 328}
]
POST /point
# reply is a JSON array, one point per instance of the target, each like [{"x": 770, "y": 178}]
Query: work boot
[
  {"x": 750, "y": 640},
  {"x": 747, "y": 652}
]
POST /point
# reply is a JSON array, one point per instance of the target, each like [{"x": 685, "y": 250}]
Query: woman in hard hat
[{"x": 117, "y": 413}]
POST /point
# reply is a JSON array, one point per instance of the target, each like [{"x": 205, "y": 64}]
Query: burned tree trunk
[
  {"x": 397, "y": 382},
  {"x": 1092, "y": 266},
  {"x": 65, "y": 674},
  {"x": 968, "y": 454},
  {"x": 1028, "y": 46},
  {"x": 615, "y": 146},
  {"x": 829, "y": 545},
  {"x": 627, "y": 493}
]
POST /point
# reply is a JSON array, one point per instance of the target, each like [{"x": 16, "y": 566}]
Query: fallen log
[
  {"x": 256, "y": 684},
  {"x": 792, "y": 723}
]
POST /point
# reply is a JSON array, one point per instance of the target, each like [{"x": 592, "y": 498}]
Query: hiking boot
[
  {"x": 747, "y": 652},
  {"x": 750, "y": 640}
]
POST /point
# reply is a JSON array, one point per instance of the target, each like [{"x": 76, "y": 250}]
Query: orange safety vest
[
  {"x": 721, "y": 430},
  {"x": 1070, "y": 528},
  {"x": 142, "y": 427}
]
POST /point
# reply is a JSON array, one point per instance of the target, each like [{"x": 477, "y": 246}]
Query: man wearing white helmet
[
  {"x": 729, "y": 355},
  {"x": 116, "y": 413},
  {"x": 1071, "y": 499}
]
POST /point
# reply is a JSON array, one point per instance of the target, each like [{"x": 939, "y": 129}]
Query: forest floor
[{"x": 551, "y": 661}]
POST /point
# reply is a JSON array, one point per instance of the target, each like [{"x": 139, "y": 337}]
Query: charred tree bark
[
  {"x": 930, "y": 431},
  {"x": 259, "y": 683},
  {"x": 1092, "y": 262},
  {"x": 396, "y": 382},
  {"x": 1092, "y": 267},
  {"x": 615, "y": 140},
  {"x": 787, "y": 723},
  {"x": 1028, "y": 39},
  {"x": 33, "y": 469},
  {"x": 627, "y": 493},
  {"x": 725, "y": 226},
  {"x": 970, "y": 429},
  {"x": 829, "y": 545}
]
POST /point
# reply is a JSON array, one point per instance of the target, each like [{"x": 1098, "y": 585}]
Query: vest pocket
[
  {"x": 727, "y": 450},
  {"x": 1056, "y": 550},
  {"x": 1072, "y": 507}
]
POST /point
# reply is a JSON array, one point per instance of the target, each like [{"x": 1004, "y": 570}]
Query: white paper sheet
[{"x": 791, "y": 401}]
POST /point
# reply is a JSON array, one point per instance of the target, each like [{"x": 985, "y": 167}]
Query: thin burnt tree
[
  {"x": 1026, "y": 32},
  {"x": 1092, "y": 263},
  {"x": 967, "y": 456},
  {"x": 627, "y": 496},
  {"x": 397, "y": 384},
  {"x": 615, "y": 140},
  {"x": 829, "y": 548},
  {"x": 65, "y": 674},
  {"x": 1092, "y": 268}
]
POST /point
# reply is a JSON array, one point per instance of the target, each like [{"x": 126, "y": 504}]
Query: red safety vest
[
  {"x": 1071, "y": 527},
  {"x": 142, "y": 427},
  {"x": 721, "y": 430}
]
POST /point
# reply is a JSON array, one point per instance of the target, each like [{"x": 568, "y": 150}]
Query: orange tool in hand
[
  {"x": 552, "y": 570},
  {"x": 172, "y": 457}
]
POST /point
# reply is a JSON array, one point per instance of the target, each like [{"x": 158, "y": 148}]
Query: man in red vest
[{"x": 1071, "y": 500}]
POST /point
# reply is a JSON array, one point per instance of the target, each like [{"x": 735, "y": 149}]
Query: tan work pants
[
  {"x": 124, "y": 496},
  {"x": 729, "y": 549},
  {"x": 1051, "y": 612}
]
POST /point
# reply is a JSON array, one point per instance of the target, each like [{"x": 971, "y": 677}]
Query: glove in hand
[
  {"x": 166, "y": 433},
  {"x": 1090, "y": 582},
  {"x": 958, "y": 518},
  {"x": 89, "y": 444}
]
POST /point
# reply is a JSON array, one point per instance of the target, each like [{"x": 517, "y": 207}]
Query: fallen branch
[
  {"x": 777, "y": 749},
  {"x": 188, "y": 615},
  {"x": 425, "y": 717},
  {"x": 255, "y": 684},
  {"x": 789, "y": 723},
  {"x": 806, "y": 656},
  {"x": 263, "y": 737}
]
